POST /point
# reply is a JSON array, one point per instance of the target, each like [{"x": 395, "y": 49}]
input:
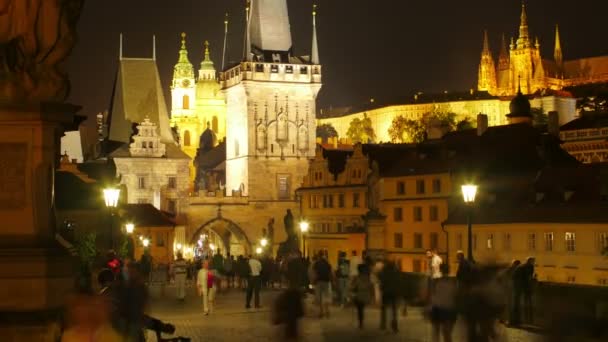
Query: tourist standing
[
  {"x": 443, "y": 307},
  {"x": 254, "y": 282},
  {"x": 343, "y": 274},
  {"x": 523, "y": 279},
  {"x": 205, "y": 282},
  {"x": 434, "y": 262},
  {"x": 322, "y": 275},
  {"x": 179, "y": 272},
  {"x": 362, "y": 290},
  {"x": 390, "y": 282}
]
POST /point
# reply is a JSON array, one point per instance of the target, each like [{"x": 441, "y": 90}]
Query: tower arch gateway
[{"x": 225, "y": 234}]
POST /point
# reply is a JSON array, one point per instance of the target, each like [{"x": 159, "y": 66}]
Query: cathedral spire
[
  {"x": 503, "y": 56},
  {"x": 524, "y": 35},
  {"x": 557, "y": 54},
  {"x": 486, "y": 44},
  {"x": 487, "y": 69},
  {"x": 314, "y": 56},
  {"x": 183, "y": 68}
]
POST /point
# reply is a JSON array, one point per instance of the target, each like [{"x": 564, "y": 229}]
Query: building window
[
  {"x": 171, "y": 206},
  {"x": 330, "y": 201},
  {"x": 570, "y": 242},
  {"x": 602, "y": 281},
  {"x": 310, "y": 202},
  {"x": 400, "y": 188},
  {"x": 532, "y": 241},
  {"x": 417, "y": 214},
  {"x": 459, "y": 242},
  {"x": 417, "y": 240},
  {"x": 436, "y": 186},
  {"x": 420, "y": 186},
  {"x": 434, "y": 240},
  {"x": 160, "y": 239},
  {"x": 570, "y": 279},
  {"x": 398, "y": 214},
  {"x": 186, "y": 102},
  {"x": 417, "y": 265},
  {"x": 186, "y": 138},
  {"x": 490, "y": 241},
  {"x": 398, "y": 240},
  {"x": 602, "y": 242},
  {"x": 506, "y": 242},
  {"x": 433, "y": 213},
  {"x": 549, "y": 242},
  {"x": 283, "y": 186},
  {"x": 339, "y": 227},
  {"x": 340, "y": 200},
  {"x": 141, "y": 182},
  {"x": 356, "y": 200},
  {"x": 172, "y": 182}
]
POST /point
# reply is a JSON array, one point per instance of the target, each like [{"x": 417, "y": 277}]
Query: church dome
[
  {"x": 208, "y": 139},
  {"x": 520, "y": 106}
]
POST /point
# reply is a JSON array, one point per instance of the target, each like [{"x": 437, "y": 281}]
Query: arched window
[
  {"x": 187, "y": 138},
  {"x": 214, "y": 124},
  {"x": 186, "y": 102}
]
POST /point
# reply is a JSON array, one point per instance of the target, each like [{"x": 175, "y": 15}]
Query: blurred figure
[
  {"x": 507, "y": 282},
  {"x": 288, "y": 309},
  {"x": 483, "y": 303},
  {"x": 523, "y": 281},
  {"x": 255, "y": 282},
  {"x": 88, "y": 320},
  {"x": 229, "y": 270},
  {"x": 178, "y": 271},
  {"x": 433, "y": 270},
  {"x": 390, "y": 281},
  {"x": 375, "y": 279},
  {"x": 132, "y": 300},
  {"x": 443, "y": 307},
  {"x": 354, "y": 263},
  {"x": 295, "y": 272},
  {"x": 464, "y": 271},
  {"x": 242, "y": 271},
  {"x": 205, "y": 283},
  {"x": 113, "y": 263},
  {"x": 361, "y": 290},
  {"x": 217, "y": 265},
  {"x": 322, "y": 280},
  {"x": 343, "y": 274}
]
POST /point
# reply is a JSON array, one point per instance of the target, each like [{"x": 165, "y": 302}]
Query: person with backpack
[{"x": 343, "y": 274}]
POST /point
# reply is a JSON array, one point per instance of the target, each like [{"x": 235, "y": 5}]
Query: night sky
[{"x": 383, "y": 49}]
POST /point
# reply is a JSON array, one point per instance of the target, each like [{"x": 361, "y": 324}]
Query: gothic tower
[
  {"x": 270, "y": 126},
  {"x": 526, "y": 64},
  {"x": 487, "y": 68}
]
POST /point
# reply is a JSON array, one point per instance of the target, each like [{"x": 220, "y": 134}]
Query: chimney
[
  {"x": 553, "y": 123},
  {"x": 482, "y": 124}
]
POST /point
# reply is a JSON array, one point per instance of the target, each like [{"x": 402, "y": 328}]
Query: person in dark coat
[{"x": 389, "y": 284}]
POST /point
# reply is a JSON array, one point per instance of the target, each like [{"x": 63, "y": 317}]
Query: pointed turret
[
  {"x": 557, "y": 53},
  {"x": 314, "y": 56},
  {"x": 503, "y": 57},
  {"x": 269, "y": 29},
  {"x": 487, "y": 68},
  {"x": 183, "y": 69},
  {"x": 524, "y": 35}
]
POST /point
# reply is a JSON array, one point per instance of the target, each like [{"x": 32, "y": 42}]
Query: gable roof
[{"x": 137, "y": 94}]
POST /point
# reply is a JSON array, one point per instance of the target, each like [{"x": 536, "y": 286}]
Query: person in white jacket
[{"x": 205, "y": 283}]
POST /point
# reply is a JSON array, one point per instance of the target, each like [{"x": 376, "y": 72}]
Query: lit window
[
  {"x": 490, "y": 241},
  {"x": 398, "y": 240},
  {"x": 549, "y": 242},
  {"x": 398, "y": 214},
  {"x": 570, "y": 242}
]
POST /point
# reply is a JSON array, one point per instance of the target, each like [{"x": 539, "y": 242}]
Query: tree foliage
[
  {"x": 326, "y": 131},
  {"x": 464, "y": 124},
  {"x": 403, "y": 130},
  {"x": 361, "y": 130}
]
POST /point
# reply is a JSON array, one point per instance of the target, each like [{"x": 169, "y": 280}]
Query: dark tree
[{"x": 326, "y": 131}]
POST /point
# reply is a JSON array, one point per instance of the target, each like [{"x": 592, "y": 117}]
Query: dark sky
[{"x": 368, "y": 48}]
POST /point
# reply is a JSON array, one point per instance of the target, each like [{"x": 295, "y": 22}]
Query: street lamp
[
  {"x": 263, "y": 242},
  {"x": 146, "y": 242},
  {"x": 468, "y": 194},
  {"x": 129, "y": 227},
  {"x": 111, "y": 196},
  {"x": 258, "y": 250},
  {"x": 304, "y": 229}
]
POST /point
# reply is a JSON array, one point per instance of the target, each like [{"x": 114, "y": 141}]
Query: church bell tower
[{"x": 271, "y": 106}]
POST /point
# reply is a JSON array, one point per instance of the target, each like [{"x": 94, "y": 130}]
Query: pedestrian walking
[
  {"x": 229, "y": 265},
  {"x": 375, "y": 278},
  {"x": 443, "y": 312},
  {"x": 322, "y": 276},
  {"x": 523, "y": 279},
  {"x": 343, "y": 275},
  {"x": 179, "y": 273},
  {"x": 254, "y": 283},
  {"x": 205, "y": 282},
  {"x": 390, "y": 283},
  {"x": 288, "y": 310},
  {"x": 362, "y": 291}
]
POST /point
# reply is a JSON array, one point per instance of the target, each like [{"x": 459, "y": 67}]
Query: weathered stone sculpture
[
  {"x": 36, "y": 36},
  {"x": 291, "y": 244}
]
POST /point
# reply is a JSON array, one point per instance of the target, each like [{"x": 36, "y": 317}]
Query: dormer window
[
  {"x": 274, "y": 68},
  {"x": 289, "y": 69},
  {"x": 259, "y": 68},
  {"x": 303, "y": 70}
]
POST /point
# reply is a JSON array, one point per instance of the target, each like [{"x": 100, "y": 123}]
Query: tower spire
[
  {"x": 486, "y": 44},
  {"x": 487, "y": 68},
  {"x": 314, "y": 56},
  {"x": 247, "y": 47},
  {"x": 557, "y": 54},
  {"x": 225, "y": 37},
  {"x": 183, "y": 68},
  {"x": 524, "y": 35},
  {"x": 207, "y": 70}
]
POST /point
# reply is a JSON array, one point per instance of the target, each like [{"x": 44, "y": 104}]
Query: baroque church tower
[{"x": 271, "y": 95}]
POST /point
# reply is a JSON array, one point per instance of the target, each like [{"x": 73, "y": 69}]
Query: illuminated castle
[{"x": 521, "y": 63}]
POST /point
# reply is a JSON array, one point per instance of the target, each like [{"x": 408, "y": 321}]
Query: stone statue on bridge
[{"x": 292, "y": 243}]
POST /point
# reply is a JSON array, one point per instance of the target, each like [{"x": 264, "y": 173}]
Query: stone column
[
  {"x": 376, "y": 235},
  {"x": 35, "y": 271}
]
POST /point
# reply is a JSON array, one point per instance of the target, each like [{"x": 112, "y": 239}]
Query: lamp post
[
  {"x": 129, "y": 228},
  {"x": 304, "y": 230},
  {"x": 111, "y": 196},
  {"x": 468, "y": 194},
  {"x": 264, "y": 242}
]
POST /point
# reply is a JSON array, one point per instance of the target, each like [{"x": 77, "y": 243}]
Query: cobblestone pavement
[{"x": 232, "y": 322}]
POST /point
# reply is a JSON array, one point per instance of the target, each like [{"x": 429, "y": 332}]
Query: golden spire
[
  {"x": 207, "y": 50},
  {"x": 183, "y": 40},
  {"x": 557, "y": 53},
  {"x": 486, "y": 44},
  {"x": 524, "y": 36}
]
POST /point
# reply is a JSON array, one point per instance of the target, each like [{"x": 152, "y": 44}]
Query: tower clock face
[{"x": 186, "y": 83}]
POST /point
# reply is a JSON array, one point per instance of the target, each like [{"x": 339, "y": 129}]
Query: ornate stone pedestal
[
  {"x": 35, "y": 272},
  {"x": 376, "y": 236}
]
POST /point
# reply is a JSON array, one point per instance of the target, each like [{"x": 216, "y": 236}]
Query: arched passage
[{"x": 225, "y": 234}]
